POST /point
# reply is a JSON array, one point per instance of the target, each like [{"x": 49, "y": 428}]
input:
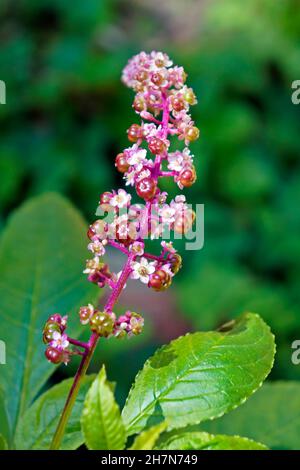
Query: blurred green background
[{"x": 66, "y": 118}]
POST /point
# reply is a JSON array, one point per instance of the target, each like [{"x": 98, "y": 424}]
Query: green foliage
[
  {"x": 197, "y": 377},
  {"x": 270, "y": 416},
  {"x": 201, "y": 376},
  {"x": 147, "y": 439},
  {"x": 40, "y": 275},
  {"x": 37, "y": 426},
  {"x": 204, "y": 441},
  {"x": 67, "y": 113},
  {"x": 101, "y": 421},
  {"x": 3, "y": 443},
  {"x": 65, "y": 120}
]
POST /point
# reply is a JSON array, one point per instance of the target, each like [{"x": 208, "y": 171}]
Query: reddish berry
[
  {"x": 53, "y": 355},
  {"x": 177, "y": 103},
  {"x": 121, "y": 163},
  {"x": 97, "y": 229},
  {"x": 104, "y": 201},
  {"x": 85, "y": 314},
  {"x": 126, "y": 233},
  {"x": 146, "y": 188},
  {"x": 187, "y": 177},
  {"x": 160, "y": 280},
  {"x": 157, "y": 78},
  {"x": 156, "y": 145},
  {"x": 134, "y": 133}
]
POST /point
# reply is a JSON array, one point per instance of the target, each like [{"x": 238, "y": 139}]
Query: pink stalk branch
[
  {"x": 86, "y": 359},
  {"x": 160, "y": 89}
]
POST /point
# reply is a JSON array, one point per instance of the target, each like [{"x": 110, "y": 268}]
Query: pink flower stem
[
  {"x": 87, "y": 356},
  {"x": 154, "y": 257},
  {"x": 167, "y": 173},
  {"x": 164, "y": 134},
  {"x": 120, "y": 284},
  {"x": 118, "y": 246},
  {"x": 80, "y": 344}
]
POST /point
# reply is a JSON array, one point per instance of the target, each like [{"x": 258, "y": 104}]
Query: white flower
[
  {"x": 175, "y": 161},
  {"x": 143, "y": 174},
  {"x": 97, "y": 248},
  {"x": 137, "y": 156},
  {"x": 168, "y": 246},
  {"x": 59, "y": 341},
  {"x": 167, "y": 269},
  {"x": 179, "y": 203},
  {"x": 142, "y": 270},
  {"x": 150, "y": 129},
  {"x": 129, "y": 177},
  {"x": 180, "y": 199},
  {"x": 137, "y": 248},
  {"x": 92, "y": 265},
  {"x": 161, "y": 58},
  {"x": 121, "y": 199},
  {"x": 167, "y": 214},
  {"x": 187, "y": 157}
]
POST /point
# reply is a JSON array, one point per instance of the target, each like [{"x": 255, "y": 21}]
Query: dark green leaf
[
  {"x": 36, "y": 427},
  {"x": 41, "y": 257}
]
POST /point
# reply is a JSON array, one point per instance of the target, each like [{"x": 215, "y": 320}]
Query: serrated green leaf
[
  {"x": 205, "y": 441},
  {"x": 147, "y": 439},
  {"x": 101, "y": 422},
  {"x": 201, "y": 376},
  {"x": 37, "y": 426},
  {"x": 42, "y": 253},
  {"x": 270, "y": 416}
]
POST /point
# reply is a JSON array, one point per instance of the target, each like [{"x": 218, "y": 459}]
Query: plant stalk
[{"x": 86, "y": 359}]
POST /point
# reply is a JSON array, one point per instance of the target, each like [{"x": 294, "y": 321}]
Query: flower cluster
[
  {"x": 160, "y": 89},
  {"x": 57, "y": 341},
  {"x": 162, "y": 101},
  {"x": 106, "y": 324}
]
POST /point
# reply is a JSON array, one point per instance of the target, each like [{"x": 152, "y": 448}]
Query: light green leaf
[
  {"x": 37, "y": 426},
  {"x": 3, "y": 443},
  {"x": 205, "y": 441},
  {"x": 101, "y": 421},
  {"x": 201, "y": 376},
  {"x": 147, "y": 439},
  {"x": 270, "y": 416},
  {"x": 42, "y": 252}
]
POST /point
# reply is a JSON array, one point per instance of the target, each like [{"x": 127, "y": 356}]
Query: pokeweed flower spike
[{"x": 162, "y": 101}]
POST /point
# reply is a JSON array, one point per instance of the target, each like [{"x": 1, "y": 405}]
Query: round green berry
[{"x": 102, "y": 323}]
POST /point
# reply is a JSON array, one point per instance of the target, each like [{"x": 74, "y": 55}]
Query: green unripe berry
[
  {"x": 102, "y": 323},
  {"x": 49, "y": 329}
]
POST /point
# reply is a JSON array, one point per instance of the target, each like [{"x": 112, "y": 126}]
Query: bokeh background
[{"x": 66, "y": 118}]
